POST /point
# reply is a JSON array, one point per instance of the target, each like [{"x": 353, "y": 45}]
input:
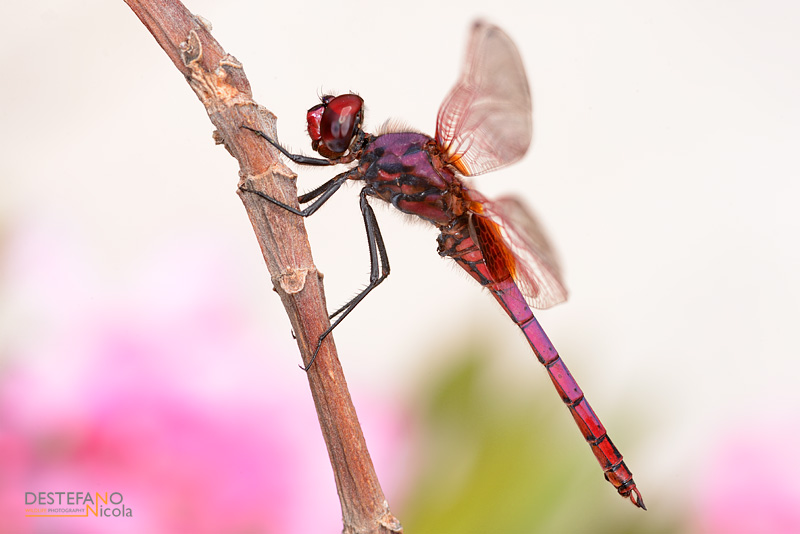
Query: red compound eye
[
  {"x": 313, "y": 118},
  {"x": 333, "y": 124}
]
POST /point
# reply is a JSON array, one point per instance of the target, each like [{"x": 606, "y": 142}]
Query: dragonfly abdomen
[
  {"x": 458, "y": 243},
  {"x": 610, "y": 459}
]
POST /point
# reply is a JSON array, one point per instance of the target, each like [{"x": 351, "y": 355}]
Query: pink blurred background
[{"x": 143, "y": 351}]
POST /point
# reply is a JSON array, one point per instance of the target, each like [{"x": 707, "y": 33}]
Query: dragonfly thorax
[{"x": 406, "y": 170}]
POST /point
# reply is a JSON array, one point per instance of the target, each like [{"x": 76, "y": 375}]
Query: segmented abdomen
[{"x": 492, "y": 266}]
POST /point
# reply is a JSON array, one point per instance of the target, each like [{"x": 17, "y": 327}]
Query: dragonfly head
[{"x": 334, "y": 124}]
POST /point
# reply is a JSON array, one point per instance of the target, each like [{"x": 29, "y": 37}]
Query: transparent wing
[
  {"x": 485, "y": 121},
  {"x": 535, "y": 270}
]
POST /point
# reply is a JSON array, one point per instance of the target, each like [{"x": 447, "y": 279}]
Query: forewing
[
  {"x": 485, "y": 121},
  {"x": 535, "y": 270}
]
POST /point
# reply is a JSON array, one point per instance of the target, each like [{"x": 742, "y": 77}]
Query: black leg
[
  {"x": 379, "y": 270},
  {"x": 321, "y": 194},
  {"x": 379, "y": 260},
  {"x": 297, "y": 158},
  {"x": 314, "y": 193}
]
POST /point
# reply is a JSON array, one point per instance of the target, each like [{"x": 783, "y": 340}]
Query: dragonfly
[{"x": 483, "y": 124}]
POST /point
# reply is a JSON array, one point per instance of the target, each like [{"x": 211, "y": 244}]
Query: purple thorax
[{"x": 406, "y": 170}]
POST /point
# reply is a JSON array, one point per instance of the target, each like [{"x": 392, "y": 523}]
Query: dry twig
[{"x": 219, "y": 81}]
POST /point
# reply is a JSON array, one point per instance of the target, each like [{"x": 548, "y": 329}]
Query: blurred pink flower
[
  {"x": 167, "y": 394},
  {"x": 751, "y": 484}
]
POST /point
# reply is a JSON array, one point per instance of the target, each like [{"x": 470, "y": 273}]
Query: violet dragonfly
[{"x": 483, "y": 124}]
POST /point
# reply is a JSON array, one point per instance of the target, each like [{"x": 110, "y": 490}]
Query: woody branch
[{"x": 218, "y": 80}]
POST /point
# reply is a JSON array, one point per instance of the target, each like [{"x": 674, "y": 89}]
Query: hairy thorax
[{"x": 408, "y": 171}]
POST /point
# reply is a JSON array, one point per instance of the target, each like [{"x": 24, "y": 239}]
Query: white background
[{"x": 664, "y": 165}]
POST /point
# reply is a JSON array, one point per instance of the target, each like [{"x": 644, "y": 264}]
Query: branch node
[
  {"x": 390, "y": 522},
  {"x": 230, "y": 61},
  {"x": 219, "y": 139},
  {"x": 202, "y": 21},
  {"x": 191, "y": 49},
  {"x": 275, "y": 170},
  {"x": 292, "y": 280}
]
